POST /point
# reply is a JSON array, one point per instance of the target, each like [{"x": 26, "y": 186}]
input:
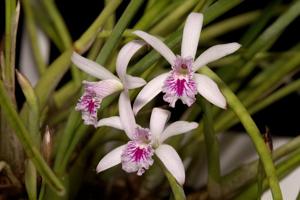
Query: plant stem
[
  {"x": 89, "y": 35},
  {"x": 253, "y": 132},
  {"x": 116, "y": 34},
  {"x": 178, "y": 192},
  {"x": 32, "y": 32},
  {"x": 282, "y": 169},
  {"x": 212, "y": 153},
  {"x": 29, "y": 146},
  {"x": 171, "y": 21}
]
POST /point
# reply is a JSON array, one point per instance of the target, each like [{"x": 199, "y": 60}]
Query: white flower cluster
[{"x": 182, "y": 82}]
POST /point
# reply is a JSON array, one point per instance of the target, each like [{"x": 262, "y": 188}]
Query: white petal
[
  {"x": 104, "y": 88},
  {"x": 158, "y": 120},
  {"x": 125, "y": 55},
  {"x": 111, "y": 159},
  {"x": 210, "y": 90},
  {"x": 92, "y": 68},
  {"x": 214, "y": 53},
  {"x": 151, "y": 89},
  {"x": 126, "y": 115},
  {"x": 172, "y": 162},
  {"x": 177, "y": 128},
  {"x": 114, "y": 122},
  {"x": 158, "y": 45},
  {"x": 191, "y": 35},
  {"x": 133, "y": 82}
]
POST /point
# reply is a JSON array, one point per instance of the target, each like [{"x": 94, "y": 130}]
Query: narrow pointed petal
[
  {"x": 214, "y": 53},
  {"x": 114, "y": 122},
  {"x": 177, "y": 128},
  {"x": 133, "y": 82},
  {"x": 92, "y": 68},
  {"x": 171, "y": 161},
  {"x": 210, "y": 90},
  {"x": 158, "y": 120},
  {"x": 111, "y": 159},
  {"x": 158, "y": 45},
  {"x": 151, "y": 89},
  {"x": 126, "y": 115},
  {"x": 124, "y": 57},
  {"x": 191, "y": 35}
]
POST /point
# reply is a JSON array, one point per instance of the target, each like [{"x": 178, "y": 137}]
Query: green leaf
[
  {"x": 116, "y": 34},
  {"x": 29, "y": 146},
  {"x": 30, "y": 180},
  {"x": 91, "y": 32},
  {"x": 252, "y": 130},
  {"x": 53, "y": 75},
  {"x": 177, "y": 190}
]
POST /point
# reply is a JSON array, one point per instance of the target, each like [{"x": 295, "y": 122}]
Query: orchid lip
[
  {"x": 180, "y": 84},
  {"x": 137, "y": 155}
]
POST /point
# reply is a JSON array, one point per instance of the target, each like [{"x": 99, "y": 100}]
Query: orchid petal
[
  {"x": 158, "y": 45},
  {"x": 151, "y": 89},
  {"x": 103, "y": 88},
  {"x": 133, "y": 82},
  {"x": 171, "y": 161},
  {"x": 214, "y": 53},
  {"x": 124, "y": 57},
  {"x": 111, "y": 159},
  {"x": 126, "y": 115},
  {"x": 210, "y": 90},
  {"x": 177, "y": 128},
  {"x": 158, "y": 120},
  {"x": 191, "y": 35},
  {"x": 114, "y": 122},
  {"x": 92, "y": 68}
]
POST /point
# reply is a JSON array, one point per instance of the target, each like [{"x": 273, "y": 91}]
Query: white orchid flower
[
  {"x": 94, "y": 92},
  {"x": 182, "y": 82},
  {"x": 136, "y": 155}
]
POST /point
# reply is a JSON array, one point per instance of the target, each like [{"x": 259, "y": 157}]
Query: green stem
[
  {"x": 212, "y": 153},
  {"x": 92, "y": 31},
  {"x": 58, "y": 23},
  {"x": 147, "y": 19},
  {"x": 219, "y": 8},
  {"x": 53, "y": 75},
  {"x": 282, "y": 169},
  {"x": 262, "y": 84},
  {"x": 257, "y": 27},
  {"x": 253, "y": 132},
  {"x": 28, "y": 145},
  {"x": 63, "y": 32},
  {"x": 171, "y": 21},
  {"x": 178, "y": 192},
  {"x": 31, "y": 29},
  {"x": 121, "y": 25},
  {"x": 269, "y": 36},
  {"x": 233, "y": 23},
  {"x": 243, "y": 175},
  {"x": 277, "y": 95}
]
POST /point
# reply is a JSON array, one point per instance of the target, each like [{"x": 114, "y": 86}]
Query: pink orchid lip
[
  {"x": 180, "y": 84},
  {"x": 88, "y": 104},
  {"x": 137, "y": 155}
]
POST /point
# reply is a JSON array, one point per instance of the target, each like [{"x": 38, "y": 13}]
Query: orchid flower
[
  {"x": 182, "y": 82},
  {"x": 94, "y": 92},
  {"x": 136, "y": 155}
]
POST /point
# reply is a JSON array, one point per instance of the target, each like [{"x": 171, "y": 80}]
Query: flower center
[
  {"x": 180, "y": 84},
  {"x": 137, "y": 156}
]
